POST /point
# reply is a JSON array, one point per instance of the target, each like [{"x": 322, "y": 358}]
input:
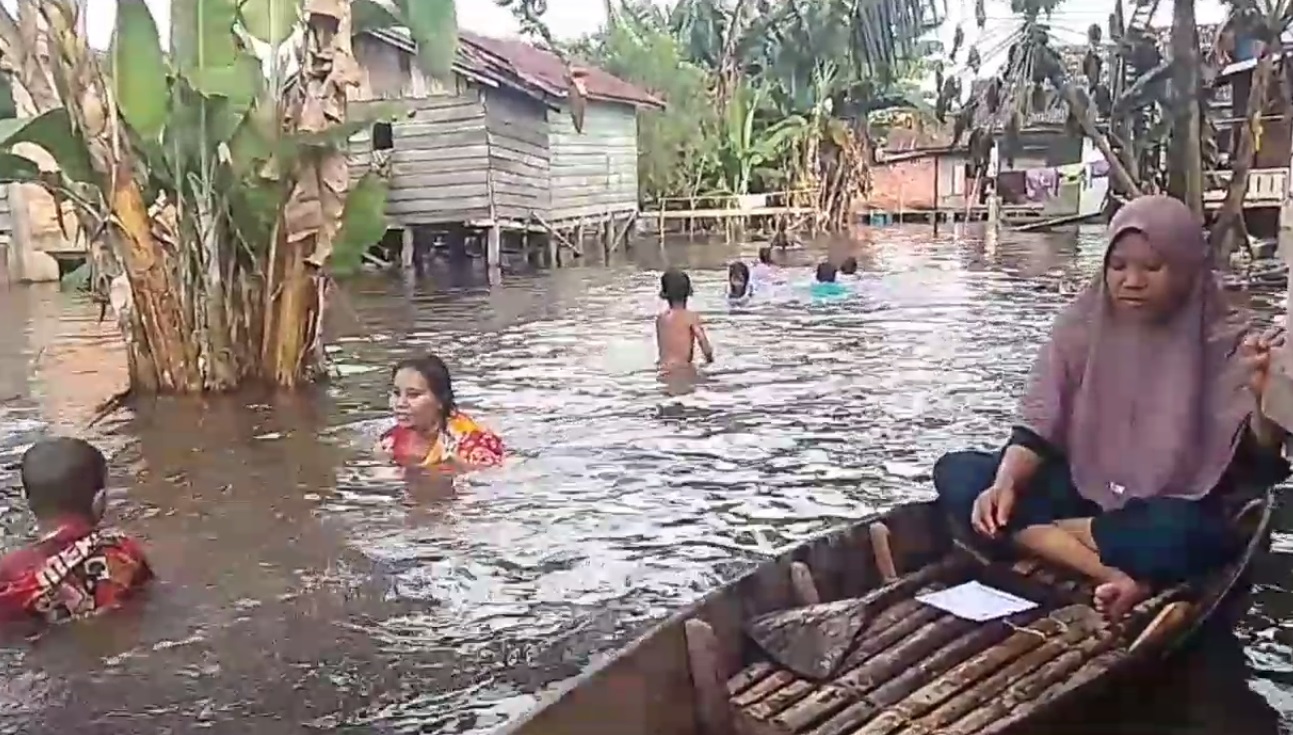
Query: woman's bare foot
[{"x": 1118, "y": 596}]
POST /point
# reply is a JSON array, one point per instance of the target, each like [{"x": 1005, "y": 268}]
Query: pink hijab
[{"x": 1145, "y": 410}]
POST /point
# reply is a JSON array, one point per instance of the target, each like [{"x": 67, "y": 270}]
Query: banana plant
[{"x": 223, "y": 192}]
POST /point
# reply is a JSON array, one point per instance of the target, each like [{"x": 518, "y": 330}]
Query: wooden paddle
[{"x": 812, "y": 641}]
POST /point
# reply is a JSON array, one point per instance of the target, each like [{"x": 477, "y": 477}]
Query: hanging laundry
[
  {"x": 1071, "y": 173},
  {"x": 1041, "y": 183}
]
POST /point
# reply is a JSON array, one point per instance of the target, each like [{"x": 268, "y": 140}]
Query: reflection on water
[{"x": 305, "y": 584}]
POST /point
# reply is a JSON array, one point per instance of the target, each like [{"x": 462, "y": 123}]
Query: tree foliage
[
  {"x": 764, "y": 95},
  {"x": 218, "y": 192}
]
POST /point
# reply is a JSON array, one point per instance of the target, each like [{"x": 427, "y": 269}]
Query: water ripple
[{"x": 306, "y": 584}]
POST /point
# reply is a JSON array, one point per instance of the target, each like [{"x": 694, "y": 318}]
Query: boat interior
[{"x": 829, "y": 639}]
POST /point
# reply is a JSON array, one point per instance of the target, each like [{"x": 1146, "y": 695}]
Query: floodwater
[{"x": 304, "y": 586}]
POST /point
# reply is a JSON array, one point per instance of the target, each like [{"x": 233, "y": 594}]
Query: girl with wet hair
[
  {"x": 739, "y": 287},
  {"x": 1141, "y": 428},
  {"x": 429, "y": 429}
]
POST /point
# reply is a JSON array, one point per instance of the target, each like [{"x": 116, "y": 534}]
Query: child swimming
[
  {"x": 849, "y": 268},
  {"x": 678, "y": 330},
  {"x": 739, "y": 287},
  {"x": 764, "y": 272},
  {"x": 78, "y": 568},
  {"x": 826, "y": 287}
]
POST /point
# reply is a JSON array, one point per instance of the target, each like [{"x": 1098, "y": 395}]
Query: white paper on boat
[{"x": 977, "y": 602}]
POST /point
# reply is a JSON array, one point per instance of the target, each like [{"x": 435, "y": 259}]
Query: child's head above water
[
  {"x": 675, "y": 287},
  {"x": 849, "y": 266},
  {"x": 738, "y": 279},
  {"x": 765, "y": 255},
  {"x": 825, "y": 272},
  {"x": 65, "y": 478}
]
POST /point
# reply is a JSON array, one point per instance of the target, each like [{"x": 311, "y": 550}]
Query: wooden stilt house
[{"x": 494, "y": 152}]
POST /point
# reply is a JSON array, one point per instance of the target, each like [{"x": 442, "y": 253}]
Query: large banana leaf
[
  {"x": 54, "y": 133},
  {"x": 434, "y": 25},
  {"x": 271, "y": 21},
  {"x": 363, "y": 223},
  {"x": 202, "y": 38},
  {"x": 139, "y": 69}
]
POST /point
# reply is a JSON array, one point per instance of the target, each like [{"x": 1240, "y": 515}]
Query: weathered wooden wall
[
  {"x": 474, "y": 154},
  {"x": 9, "y": 268},
  {"x": 439, "y": 163},
  {"x": 390, "y": 73},
  {"x": 6, "y": 216},
  {"x": 519, "y": 161},
  {"x": 596, "y": 171}
]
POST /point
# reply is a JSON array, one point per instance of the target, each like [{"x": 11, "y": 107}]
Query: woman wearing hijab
[{"x": 1141, "y": 415}]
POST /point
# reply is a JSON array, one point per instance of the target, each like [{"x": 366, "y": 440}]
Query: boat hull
[{"x": 657, "y": 685}]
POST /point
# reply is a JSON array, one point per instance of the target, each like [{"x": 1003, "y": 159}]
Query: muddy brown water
[{"x": 306, "y": 587}]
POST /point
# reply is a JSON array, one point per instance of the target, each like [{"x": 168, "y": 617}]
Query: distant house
[
  {"x": 495, "y": 148},
  {"x": 1269, "y": 176},
  {"x": 924, "y": 178}
]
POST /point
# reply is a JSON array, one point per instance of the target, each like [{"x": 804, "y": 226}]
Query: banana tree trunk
[
  {"x": 1229, "y": 231},
  {"x": 1185, "y": 167},
  {"x": 291, "y": 350},
  {"x": 159, "y": 337}
]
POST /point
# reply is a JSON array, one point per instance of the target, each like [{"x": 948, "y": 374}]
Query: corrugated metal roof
[{"x": 524, "y": 67}]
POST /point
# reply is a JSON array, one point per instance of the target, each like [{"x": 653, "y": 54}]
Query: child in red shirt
[{"x": 76, "y": 569}]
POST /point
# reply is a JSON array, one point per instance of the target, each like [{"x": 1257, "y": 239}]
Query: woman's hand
[
  {"x": 992, "y": 509},
  {"x": 1255, "y": 351}
]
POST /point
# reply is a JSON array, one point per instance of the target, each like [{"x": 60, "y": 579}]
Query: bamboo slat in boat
[
  {"x": 960, "y": 691},
  {"x": 1031, "y": 686}
]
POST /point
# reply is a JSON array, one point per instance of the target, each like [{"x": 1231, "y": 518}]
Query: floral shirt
[
  {"x": 462, "y": 439},
  {"x": 74, "y": 572}
]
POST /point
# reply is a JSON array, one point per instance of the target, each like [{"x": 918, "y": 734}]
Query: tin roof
[{"x": 526, "y": 68}]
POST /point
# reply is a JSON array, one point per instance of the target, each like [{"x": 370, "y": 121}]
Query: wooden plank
[
  {"x": 538, "y": 202},
  {"x": 517, "y": 207},
  {"x": 447, "y": 114},
  {"x": 439, "y": 193},
  {"x": 566, "y": 192},
  {"x": 449, "y": 180},
  {"x": 430, "y": 210},
  {"x": 519, "y": 133},
  {"x": 527, "y": 198},
  {"x": 440, "y": 142},
  {"x": 501, "y": 176},
  {"x": 479, "y": 152},
  {"x": 590, "y": 143},
  {"x": 512, "y": 168},
  {"x": 423, "y": 168},
  {"x": 725, "y": 213},
  {"x": 498, "y": 142},
  {"x": 408, "y": 130},
  {"x": 505, "y": 154}
]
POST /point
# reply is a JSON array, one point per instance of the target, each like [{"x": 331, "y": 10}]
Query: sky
[{"x": 570, "y": 19}]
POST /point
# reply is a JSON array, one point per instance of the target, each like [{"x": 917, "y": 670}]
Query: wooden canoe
[{"x": 911, "y": 669}]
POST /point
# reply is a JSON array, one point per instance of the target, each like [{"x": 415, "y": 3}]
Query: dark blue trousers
[{"x": 1160, "y": 541}]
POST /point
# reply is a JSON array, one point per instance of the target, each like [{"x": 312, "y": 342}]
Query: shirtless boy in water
[{"x": 678, "y": 330}]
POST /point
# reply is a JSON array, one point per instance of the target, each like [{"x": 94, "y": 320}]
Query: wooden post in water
[
  {"x": 608, "y": 235},
  {"x": 494, "y": 253},
  {"x": 406, "y": 248},
  {"x": 936, "y": 157},
  {"x": 994, "y": 202}
]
